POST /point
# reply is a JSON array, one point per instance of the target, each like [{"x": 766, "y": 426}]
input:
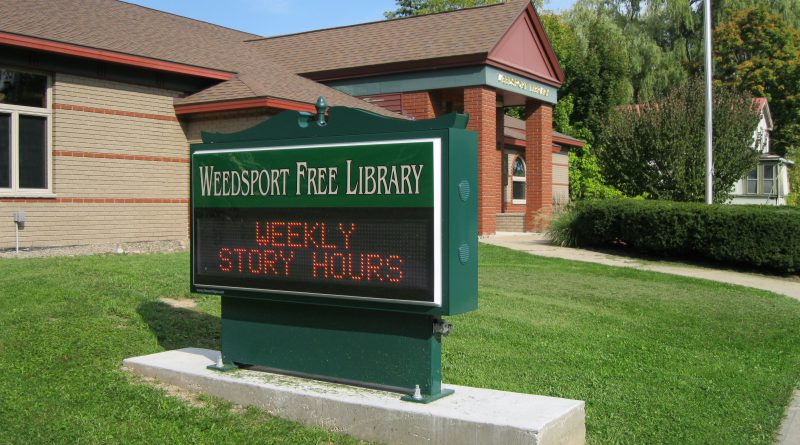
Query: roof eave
[
  {"x": 570, "y": 142},
  {"x": 545, "y": 80},
  {"x": 70, "y": 49},
  {"x": 249, "y": 103},
  {"x": 396, "y": 67}
]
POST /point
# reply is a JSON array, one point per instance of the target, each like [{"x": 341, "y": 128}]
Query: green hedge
[{"x": 763, "y": 237}]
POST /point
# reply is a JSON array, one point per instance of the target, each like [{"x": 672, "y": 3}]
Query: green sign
[
  {"x": 337, "y": 247},
  {"x": 366, "y": 174},
  {"x": 358, "y": 221}
]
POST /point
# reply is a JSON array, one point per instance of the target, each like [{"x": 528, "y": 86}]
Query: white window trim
[
  {"x": 15, "y": 110},
  {"x": 760, "y": 182},
  {"x": 523, "y": 179}
]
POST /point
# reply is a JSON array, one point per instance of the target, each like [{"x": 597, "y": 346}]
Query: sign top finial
[{"x": 321, "y": 107}]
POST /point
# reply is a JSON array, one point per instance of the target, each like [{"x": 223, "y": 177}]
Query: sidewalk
[{"x": 538, "y": 244}]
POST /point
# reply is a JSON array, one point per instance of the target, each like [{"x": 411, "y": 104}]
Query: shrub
[
  {"x": 656, "y": 149},
  {"x": 763, "y": 237}
]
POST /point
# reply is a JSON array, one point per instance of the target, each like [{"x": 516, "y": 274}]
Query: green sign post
[{"x": 337, "y": 246}]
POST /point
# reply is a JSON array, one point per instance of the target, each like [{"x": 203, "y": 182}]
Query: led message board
[
  {"x": 351, "y": 221},
  {"x": 337, "y": 242}
]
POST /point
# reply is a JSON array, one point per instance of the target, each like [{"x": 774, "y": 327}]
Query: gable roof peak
[
  {"x": 457, "y": 38},
  {"x": 393, "y": 20}
]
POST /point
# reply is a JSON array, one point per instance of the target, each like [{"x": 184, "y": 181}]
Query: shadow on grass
[{"x": 177, "y": 328}]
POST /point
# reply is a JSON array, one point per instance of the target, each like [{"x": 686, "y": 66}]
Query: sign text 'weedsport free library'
[{"x": 350, "y": 221}]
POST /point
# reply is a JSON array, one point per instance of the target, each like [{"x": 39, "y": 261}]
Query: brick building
[{"x": 100, "y": 99}]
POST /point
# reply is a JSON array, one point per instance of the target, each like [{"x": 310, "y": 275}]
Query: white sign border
[{"x": 437, "y": 222}]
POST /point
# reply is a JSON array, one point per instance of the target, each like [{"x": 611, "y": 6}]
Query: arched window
[{"x": 518, "y": 181}]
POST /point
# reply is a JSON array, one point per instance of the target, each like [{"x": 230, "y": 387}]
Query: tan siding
[
  {"x": 57, "y": 223},
  {"x": 227, "y": 122},
  {"x": 560, "y": 195},
  {"x": 560, "y": 178},
  {"x": 97, "y": 93},
  {"x": 63, "y": 224},
  {"x": 511, "y": 222},
  {"x": 118, "y": 178},
  {"x": 103, "y": 133},
  {"x": 560, "y": 168}
]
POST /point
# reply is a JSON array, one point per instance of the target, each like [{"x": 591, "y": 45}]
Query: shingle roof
[
  {"x": 232, "y": 89},
  {"x": 515, "y": 128},
  {"x": 132, "y": 29},
  {"x": 407, "y": 39}
]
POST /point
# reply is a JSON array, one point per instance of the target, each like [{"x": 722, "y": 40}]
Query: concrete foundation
[{"x": 470, "y": 416}]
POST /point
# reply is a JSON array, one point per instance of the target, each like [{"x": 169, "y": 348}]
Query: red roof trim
[
  {"x": 243, "y": 104},
  {"x": 515, "y": 142},
  {"x": 556, "y": 140},
  {"x": 569, "y": 142},
  {"x": 110, "y": 56}
]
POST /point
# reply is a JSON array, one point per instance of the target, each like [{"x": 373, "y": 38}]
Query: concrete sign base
[{"x": 470, "y": 416}]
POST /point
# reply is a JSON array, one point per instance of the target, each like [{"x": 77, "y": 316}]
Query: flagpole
[{"x": 709, "y": 102}]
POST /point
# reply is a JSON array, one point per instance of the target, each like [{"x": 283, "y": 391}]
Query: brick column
[
  {"x": 481, "y": 103},
  {"x": 539, "y": 163},
  {"x": 418, "y": 104}
]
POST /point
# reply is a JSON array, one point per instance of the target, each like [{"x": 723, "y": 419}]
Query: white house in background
[{"x": 768, "y": 182}]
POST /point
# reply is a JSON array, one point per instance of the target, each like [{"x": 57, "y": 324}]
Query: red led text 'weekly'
[{"x": 280, "y": 243}]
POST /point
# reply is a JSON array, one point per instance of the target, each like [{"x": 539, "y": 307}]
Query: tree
[
  {"x": 759, "y": 52},
  {"x": 597, "y": 74},
  {"x": 407, "y": 8},
  {"x": 794, "y": 182},
  {"x": 656, "y": 149},
  {"x": 585, "y": 178},
  {"x": 788, "y": 10}
]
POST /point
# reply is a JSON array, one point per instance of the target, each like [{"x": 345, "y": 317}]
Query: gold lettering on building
[{"x": 523, "y": 85}]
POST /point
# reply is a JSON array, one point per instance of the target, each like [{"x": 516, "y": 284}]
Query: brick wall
[
  {"x": 120, "y": 169},
  {"x": 392, "y": 101},
  {"x": 419, "y": 105},
  {"x": 481, "y": 104},
  {"x": 539, "y": 159}
]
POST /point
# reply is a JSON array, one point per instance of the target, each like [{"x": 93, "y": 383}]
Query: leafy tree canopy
[
  {"x": 616, "y": 52},
  {"x": 788, "y": 10},
  {"x": 655, "y": 149},
  {"x": 757, "y": 51},
  {"x": 407, "y": 8}
]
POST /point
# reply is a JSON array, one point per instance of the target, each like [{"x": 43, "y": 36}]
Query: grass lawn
[{"x": 659, "y": 359}]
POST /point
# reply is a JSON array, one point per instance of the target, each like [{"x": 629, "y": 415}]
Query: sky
[{"x": 277, "y": 17}]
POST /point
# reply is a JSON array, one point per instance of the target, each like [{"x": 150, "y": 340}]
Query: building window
[
  {"x": 762, "y": 180},
  {"x": 25, "y": 167},
  {"x": 518, "y": 182},
  {"x": 752, "y": 182},
  {"x": 768, "y": 180}
]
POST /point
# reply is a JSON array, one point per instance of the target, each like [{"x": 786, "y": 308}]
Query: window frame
[
  {"x": 774, "y": 179},
  {"x": 748, "y": 179},
  {"x": 15, "y": 111},
  {"x": 759, "y": 180},
  {"x": 523, "y": 179}
]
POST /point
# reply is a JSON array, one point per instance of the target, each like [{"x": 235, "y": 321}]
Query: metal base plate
[
  {"x": 224, "y": 368},
  {"x": 428, "y": 398}
]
